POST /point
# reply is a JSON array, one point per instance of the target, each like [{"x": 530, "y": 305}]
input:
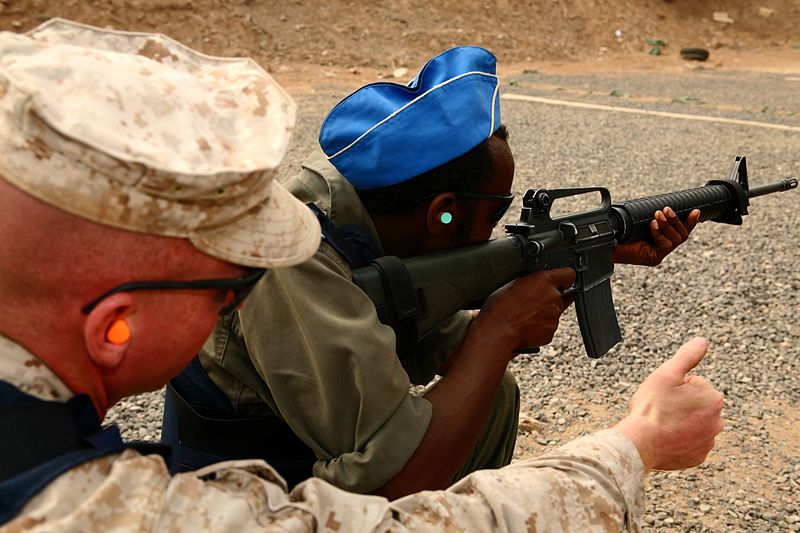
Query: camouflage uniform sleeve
[
  {"x": 134, "y": 493},
  {"x": 594, "y": 483}
]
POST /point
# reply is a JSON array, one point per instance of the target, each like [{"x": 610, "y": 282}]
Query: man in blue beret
[{"x": 306, "y": 376}]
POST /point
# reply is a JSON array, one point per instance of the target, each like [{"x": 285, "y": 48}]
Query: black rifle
[{"x": 416, "y": 294}]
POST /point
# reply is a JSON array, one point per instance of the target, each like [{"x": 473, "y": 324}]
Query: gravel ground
[{"x": 738, "y": 286}]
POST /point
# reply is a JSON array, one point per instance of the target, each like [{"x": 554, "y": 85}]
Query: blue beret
[{"x": 386, "y": 133}]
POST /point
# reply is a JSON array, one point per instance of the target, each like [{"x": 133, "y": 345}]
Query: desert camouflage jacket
[{"x": 594, "y": 483}]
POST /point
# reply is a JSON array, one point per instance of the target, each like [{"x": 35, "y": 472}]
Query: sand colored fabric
[{"x": 136, "y": 131}]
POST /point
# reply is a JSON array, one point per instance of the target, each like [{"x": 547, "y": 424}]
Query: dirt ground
[
  {"x": 337, "y": 45},
  {"x": 346, "y": 44}
]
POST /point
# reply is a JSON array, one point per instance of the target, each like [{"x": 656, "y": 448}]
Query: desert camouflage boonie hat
[{"x": 137, "y": 131}]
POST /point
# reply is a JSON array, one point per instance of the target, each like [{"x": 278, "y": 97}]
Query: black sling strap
[
  {"x": 402, "y": 314},
  {"x": 352, "y": 242}
]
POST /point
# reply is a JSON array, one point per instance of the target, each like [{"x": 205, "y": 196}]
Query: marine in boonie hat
[
  {"x": 386, "y": 133},
  {"x": 139, "y": 132}
]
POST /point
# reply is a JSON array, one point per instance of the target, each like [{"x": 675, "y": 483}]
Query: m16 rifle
[{"x": 414, "y": 295}]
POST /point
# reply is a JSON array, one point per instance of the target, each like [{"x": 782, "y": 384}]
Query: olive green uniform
[{"x": 309, "y": 348}]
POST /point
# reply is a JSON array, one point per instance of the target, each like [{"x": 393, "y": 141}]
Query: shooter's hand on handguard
[{"x": 667, "y": 232}]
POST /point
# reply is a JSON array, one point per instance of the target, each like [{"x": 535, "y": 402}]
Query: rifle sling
[{"x": 400, "y": 292}]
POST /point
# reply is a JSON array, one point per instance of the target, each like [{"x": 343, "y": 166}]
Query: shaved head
[{"x": 53, "y": 263}]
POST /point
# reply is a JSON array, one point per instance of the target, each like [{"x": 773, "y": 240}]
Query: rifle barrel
[{"x": 778, "y": 186}]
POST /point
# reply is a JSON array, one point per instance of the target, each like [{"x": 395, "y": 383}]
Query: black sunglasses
[
  {"x": 241, "y": 287},
  {"x": 504, "y": 200}
]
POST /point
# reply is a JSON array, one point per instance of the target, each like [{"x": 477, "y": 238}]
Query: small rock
[
  {"x": 401, "y": 72},
  {"x": 722, "y": 16},
  {"x": 765, "y": 12},
  {"x": 17, "y": 24},
  {"x": 704, "y": 508},
  {"x": 528, "y": 425}
]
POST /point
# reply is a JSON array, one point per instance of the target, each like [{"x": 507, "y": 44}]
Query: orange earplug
[{"x": 119, "y": 332}]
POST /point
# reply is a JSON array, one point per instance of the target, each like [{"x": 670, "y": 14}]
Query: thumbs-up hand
[{"x": 673, "y": 418}]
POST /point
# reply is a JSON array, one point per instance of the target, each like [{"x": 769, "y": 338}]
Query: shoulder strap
[
  {"x": 203, "y": 427},
  {"x": 352, "y": 242},
  {"x": 43, "y": 440},
  {"x": 36, "y": 430}
]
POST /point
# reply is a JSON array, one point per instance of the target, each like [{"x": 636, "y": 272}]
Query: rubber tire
[{"x": 695, "y": 54}]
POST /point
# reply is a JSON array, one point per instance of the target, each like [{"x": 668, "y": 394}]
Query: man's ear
[
  {"x": 443, "y": 214},
  {"x": 109, "y": 330}
]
